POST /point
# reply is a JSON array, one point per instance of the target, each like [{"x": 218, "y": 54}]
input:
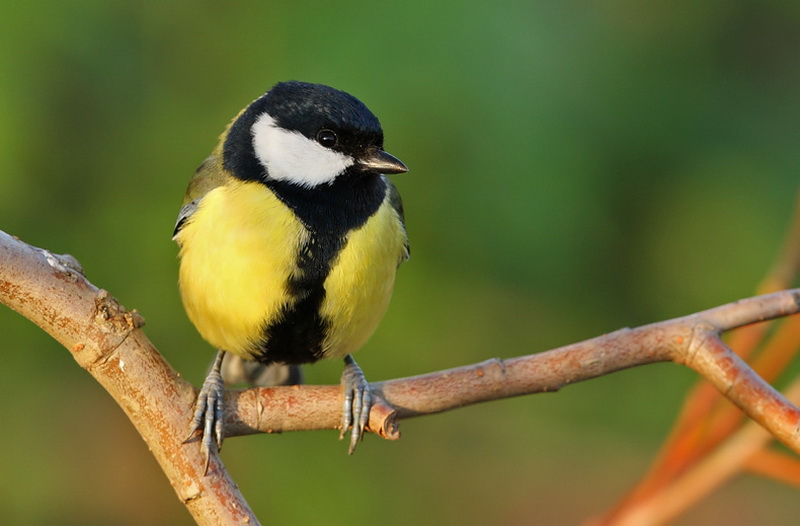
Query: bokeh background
[{"x": 576, "y": 167}]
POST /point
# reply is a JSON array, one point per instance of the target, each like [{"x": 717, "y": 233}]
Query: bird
[{"x": 290, "y": 235}]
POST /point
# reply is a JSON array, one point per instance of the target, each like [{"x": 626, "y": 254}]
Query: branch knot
[{"x": 110, "y": 316}]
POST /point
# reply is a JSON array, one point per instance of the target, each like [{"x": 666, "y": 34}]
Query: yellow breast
[
  {"x": 236, "y": 252},
  {"x": 361, "y": 280},
  {"x": 241, "y": 246}
]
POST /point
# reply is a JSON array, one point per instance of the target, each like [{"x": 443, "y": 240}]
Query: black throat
[
  {"x": 335, "y": 208},
  {"x": 329, "y": 212}
]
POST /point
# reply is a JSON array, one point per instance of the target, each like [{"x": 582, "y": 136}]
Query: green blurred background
[{"x": 576, "y": 167}]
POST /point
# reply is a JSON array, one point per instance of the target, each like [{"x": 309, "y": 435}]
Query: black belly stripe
[
  {"x": 329, "y": 213},
  {"x": 298, "y": 333}
]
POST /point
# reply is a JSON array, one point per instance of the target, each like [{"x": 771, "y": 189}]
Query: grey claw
[
  {"x": 357, "y": 402},
  {"x": 208, "y": 413},
  {"x": 347, "y": 410}
]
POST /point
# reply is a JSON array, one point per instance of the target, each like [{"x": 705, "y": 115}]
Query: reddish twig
[
  {"x": 744, "y": 449},
  {"x": 775, "y": 464},
  {"x": 707, "y": 421},
  {"x": 106, "y": 340}
]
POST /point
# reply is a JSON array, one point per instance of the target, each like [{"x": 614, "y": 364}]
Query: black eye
[{"x": 326, "y": 138}]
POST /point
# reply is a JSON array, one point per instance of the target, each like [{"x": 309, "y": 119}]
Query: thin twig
[
  {"x": 737, "y": 452},
  {"x": 775, "y": 464},
  {"x": 105, "y": 339}
]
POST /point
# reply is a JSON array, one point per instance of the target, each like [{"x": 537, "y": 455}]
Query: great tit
[{"x": 290, "y": 236}]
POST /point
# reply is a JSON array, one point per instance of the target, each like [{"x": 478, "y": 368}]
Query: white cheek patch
[{"x": 291, "y": 157}]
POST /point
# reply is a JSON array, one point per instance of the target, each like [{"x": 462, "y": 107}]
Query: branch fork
[{"x": 106, "y": 340}]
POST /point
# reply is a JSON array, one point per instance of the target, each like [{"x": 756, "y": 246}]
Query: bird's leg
[
  {"x": 208, "y": 410},
  {"x": 357, "y": 402}
]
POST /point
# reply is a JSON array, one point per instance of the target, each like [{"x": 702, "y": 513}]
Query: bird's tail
[{"x": 256, "y": 374}]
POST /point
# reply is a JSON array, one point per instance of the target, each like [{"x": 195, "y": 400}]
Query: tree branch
[
  {"x": 709, "y": 442},
  {"x": 692, "y": 340},
  {"x": 106, "y": 340}
]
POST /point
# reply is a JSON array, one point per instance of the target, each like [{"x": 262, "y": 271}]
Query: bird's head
[{"x": 307, "y": 135}]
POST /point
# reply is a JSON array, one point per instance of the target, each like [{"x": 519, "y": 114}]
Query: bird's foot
[
  {"x": 208, "y": 413},
  {"x": 357, "y": 402}
]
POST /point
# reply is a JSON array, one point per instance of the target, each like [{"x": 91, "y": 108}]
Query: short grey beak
[{"x": 378, "y": 161}]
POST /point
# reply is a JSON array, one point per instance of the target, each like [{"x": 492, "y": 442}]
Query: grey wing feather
[
  {"x": 208, "y": 176},
  {"x": 186, "y": 212},
  {"x": 397, "y": 203}
]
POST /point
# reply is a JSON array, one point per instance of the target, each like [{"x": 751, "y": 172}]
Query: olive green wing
[
  {"x": 397, "y": 203},
  {"x": 208, "y": 176}
]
